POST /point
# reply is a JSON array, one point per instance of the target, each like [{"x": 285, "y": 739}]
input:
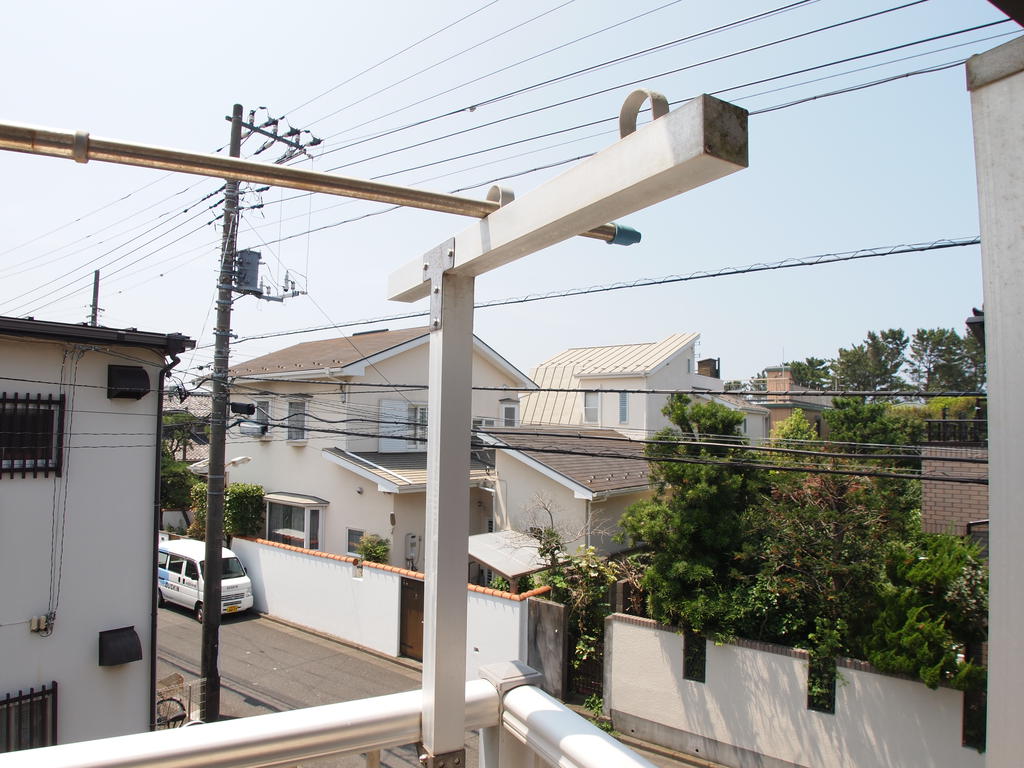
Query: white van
[{"x": 180, "y": 570}]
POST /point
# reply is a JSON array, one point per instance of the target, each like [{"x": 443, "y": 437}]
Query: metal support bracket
[
  {"x": 456, "y": 759},
  {"x": 436, "y": 262}
]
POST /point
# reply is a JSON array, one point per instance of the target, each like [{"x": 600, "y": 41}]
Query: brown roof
[
  {"x": 328, "y": 353},
  {"x": 620, "y": 464}
]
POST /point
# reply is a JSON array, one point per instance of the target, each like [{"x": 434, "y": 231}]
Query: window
[
  {"x": 191, "y": 570},
  {"x": 591, "y": 407},
  {"x": 297, "y": 526},
  {"x": 29, "y": 720},
  {"x": 31, "y": 434},
  {"x": 417, "y": 428},
  {"x": 354, "y": 536},
  {"x": 296, "y": 419},
  {"x": 623, "y": 408},
  {"x": 510, "y": 415},
  {"x": 481, "y": 423},
  {"x": 263, "y": 414},
  {"x": 175, "y": 563}
]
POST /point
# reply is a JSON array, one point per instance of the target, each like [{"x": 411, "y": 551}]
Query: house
[
  {"x": 779, "y": 378},
  {"x": 79, "y": 488},
  {"x": 670, "y": 364},
  {"x": 577, "y": 481},
  {"x": 338, "y": 438}
]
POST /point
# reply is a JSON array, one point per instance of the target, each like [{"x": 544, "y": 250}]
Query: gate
[{"x": 410, "y": 634}]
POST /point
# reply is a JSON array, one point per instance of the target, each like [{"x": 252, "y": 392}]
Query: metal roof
[
  {"x": 510, "y": 553},
  {"x": 564, "y": 371}
]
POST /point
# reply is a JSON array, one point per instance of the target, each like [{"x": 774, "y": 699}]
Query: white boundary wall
[
  {"x": 752, "y": 709},
  {"x": 325, "y": 592}
]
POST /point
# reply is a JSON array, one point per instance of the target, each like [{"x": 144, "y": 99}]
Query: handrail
[
  {"x": 281, "y": 738},
  {"x": 560, "y": 736}
]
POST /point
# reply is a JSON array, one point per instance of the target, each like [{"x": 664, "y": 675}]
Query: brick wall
[{"x": 948, "y": 507}]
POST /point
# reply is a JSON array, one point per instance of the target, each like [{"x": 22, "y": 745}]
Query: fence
[
  {"x": 361, "y": 602},
  {"x": 752, "y": 708},
  {"x": 29, "y": 720}
]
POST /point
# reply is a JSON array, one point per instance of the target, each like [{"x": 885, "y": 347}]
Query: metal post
[
  {"x": 94, "y": 316},
  {"x": 447, "y": 510},
  {"x": 996, "y": 82},
  {"x": 210, "y": 711}
]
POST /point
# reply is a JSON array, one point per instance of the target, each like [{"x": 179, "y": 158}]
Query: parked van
[{"x": 180, "y": 571}]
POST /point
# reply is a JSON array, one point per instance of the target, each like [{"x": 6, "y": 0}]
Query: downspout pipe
[{"x": 157, "y": 471}]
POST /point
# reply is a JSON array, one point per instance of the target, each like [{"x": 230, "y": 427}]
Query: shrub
[
  {"x": 374, "y": 548},
  {"x": 243, "y": 510}
]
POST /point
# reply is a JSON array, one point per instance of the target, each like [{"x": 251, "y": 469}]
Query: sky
[{"x": 384, "y": 84}]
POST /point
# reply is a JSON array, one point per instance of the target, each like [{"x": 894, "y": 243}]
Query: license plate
[{"x": 231, "y": 609}]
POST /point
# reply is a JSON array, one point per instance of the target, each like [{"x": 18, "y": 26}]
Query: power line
[
  {"x": 505, "y": 68},
  {"x": 618, "y": 86},
  {"x": 789, "y": 263},
  {"x": 395, "y": 55}
]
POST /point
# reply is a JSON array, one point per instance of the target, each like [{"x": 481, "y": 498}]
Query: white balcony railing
[{"x": 527, "y": 725}]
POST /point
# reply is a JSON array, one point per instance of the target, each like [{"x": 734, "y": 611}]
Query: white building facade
[{"x": 79, "y": 492}]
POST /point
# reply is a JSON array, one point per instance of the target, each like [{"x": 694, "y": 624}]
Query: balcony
[
  {"x": 520, "y": 727},
  {"x": 961, "y": 431}
]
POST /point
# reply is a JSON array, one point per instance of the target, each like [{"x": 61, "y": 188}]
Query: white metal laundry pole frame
[
  {"x": 698, "y": 143},
  {"x": 703, "y": 140}
]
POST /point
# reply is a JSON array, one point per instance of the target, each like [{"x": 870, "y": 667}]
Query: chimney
[
  {"x": 709, "y": 366},
  {"x": 780, "y": 379}
]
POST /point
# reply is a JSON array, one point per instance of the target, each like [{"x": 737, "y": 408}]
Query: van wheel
[
  {"x": 198, "y": 612},
  {"x": 160, "y": 602}
]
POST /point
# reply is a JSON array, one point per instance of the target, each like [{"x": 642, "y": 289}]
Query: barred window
[{"x": 31, "y": 434}]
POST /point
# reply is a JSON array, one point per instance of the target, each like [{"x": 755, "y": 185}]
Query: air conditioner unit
[{"x": 252, "y": 428}]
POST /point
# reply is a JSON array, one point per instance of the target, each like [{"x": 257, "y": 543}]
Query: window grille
[
  {"x": 31, "y": 434},
  {"x": 29, "y": 720}
]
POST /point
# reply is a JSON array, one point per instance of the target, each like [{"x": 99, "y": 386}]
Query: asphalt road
[{"x": 269, "y": 667}]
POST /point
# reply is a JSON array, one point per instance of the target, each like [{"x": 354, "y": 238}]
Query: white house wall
[
  {"x": 521, "y": 488},
  {"x": 605, "y": 516},
  {"x": 107, "y": 569}
]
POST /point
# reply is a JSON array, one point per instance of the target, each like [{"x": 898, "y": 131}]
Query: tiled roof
[
  {"x": 564, "y": 371},
  {"x": 328, "y": 353},
  {"x": 406, "y": 470},
  {"x": 621, "y": 464}
]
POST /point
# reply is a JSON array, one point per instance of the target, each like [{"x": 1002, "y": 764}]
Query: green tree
[
  {"x": 794, "y": 431},
  {"x": 852, "y": 420},
  {"x": 934, "y": 612},
  {"x": 811, "y": 373},
  {"x": 874, "y": 364},
  {"x": 176, "y": 482},
  {"x": 692, "y": 525},
  {"x": 937, "y": 360}
]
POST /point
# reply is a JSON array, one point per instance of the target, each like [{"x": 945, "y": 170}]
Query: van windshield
[{"x": 230, "y": 568}]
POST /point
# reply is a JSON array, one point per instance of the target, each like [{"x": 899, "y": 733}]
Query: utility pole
[
  {"x": 94, "y": 315},
  {"x": 210, "y": 672}
]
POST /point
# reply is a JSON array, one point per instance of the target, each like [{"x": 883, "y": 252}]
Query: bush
[
  {"x": 243, "y": 510},
  {"x": 374, "y": 548}
]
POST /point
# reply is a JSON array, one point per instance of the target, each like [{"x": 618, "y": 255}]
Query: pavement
[{"x": 269, "y": 666}]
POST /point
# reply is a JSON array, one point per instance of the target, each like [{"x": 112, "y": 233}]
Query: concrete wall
[
  {"x": 752, "y": 709},
  {"x": 105, "y": 571},
  {"x": 518, "y": 491},
  {"x": 326, "y": 593},
  {"x": 949, "y": 507}
]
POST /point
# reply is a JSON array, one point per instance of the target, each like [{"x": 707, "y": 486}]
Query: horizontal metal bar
[
  {"x": 283, "y": 738},
  {"x": 560, "y": 736},
  {"x": 82, "y": 147}
]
